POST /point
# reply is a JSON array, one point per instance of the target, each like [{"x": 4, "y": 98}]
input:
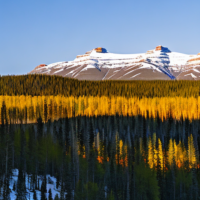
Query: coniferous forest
[
  {"x": 38, "y": 85},
  {"x": 63, "y": 139}
]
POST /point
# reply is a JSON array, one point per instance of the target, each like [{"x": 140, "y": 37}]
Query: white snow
[
  {"x": 105, "y": 74},
  {"x": 196, "y": 70},
  {"x": 135, "y": 75},
  {"x": 29, "y": 195},
  {"x": 88, "y": 67},
  {"x": 148, "y": 66},
  {"x": 178, "y": 58},
  {"x": 130, "y": 72},
  {"x": 156, "y": 60},
  {"x": 191, "y": 74},
  {"x": 58, "y": 71},
  {"x": 53, "y": 64}
]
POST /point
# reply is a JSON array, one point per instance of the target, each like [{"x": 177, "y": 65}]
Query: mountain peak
[
  {"x": 163, "y": 49},
  {"x": 100, "y": 50},
  {"x": 99, "y": 64}
]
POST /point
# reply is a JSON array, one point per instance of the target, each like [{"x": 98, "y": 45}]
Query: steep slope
[
  {"x": 191, "y": 71},
  {"x": 98, "y": 64}
]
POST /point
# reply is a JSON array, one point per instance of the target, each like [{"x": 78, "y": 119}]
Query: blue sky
[{"x": 45, "y": 31}]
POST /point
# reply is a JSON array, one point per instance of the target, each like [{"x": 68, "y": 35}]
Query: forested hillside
[
  {"x": 98, "y": 139},
  {"x": 37, "y": 85},
  {"x": 101, "y": 158}
]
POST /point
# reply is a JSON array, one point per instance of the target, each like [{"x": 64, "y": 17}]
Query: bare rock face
[
  {"x": 38, "y": 68},
  {"x": 98, "y": 64},
  {"x": 163, "y": 49},
  {"x": 194, "y": 60}
]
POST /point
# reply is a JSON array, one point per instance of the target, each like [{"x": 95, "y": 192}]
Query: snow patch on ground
[{"x": 29, "y": 195}]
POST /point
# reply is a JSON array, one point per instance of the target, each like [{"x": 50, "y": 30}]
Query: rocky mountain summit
[{"x": 98, "y": 64}]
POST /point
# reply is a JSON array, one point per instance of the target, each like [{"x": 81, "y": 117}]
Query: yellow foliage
[{"x": 53, "y": 107}]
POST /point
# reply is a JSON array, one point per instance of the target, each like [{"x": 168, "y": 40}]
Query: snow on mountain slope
[
  {"x": 98, "y": 64},
  {"x": 191, "y": 73}
]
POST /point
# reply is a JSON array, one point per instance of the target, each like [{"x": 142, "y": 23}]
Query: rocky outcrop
[
  {"x": 41, "y": 65},
  {"x": 194, "y": 60},
  {"x": 161, "y": 48},
  {"x": 38, "y": 68}
]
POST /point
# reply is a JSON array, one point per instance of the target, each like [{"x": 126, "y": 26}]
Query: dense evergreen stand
[
  {"x": 37, "y": 85},
  {"x": 105, "y": 157}
]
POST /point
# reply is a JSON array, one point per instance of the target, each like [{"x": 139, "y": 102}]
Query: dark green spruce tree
[
  {"x": 50, "y": 195},
  {"x": 34, "y": 195},
  {"x": 21, "y": 187},
  {"x": 43, "y": 191}
]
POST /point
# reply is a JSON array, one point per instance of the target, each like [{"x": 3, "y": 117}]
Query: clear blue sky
[{"x": 46, "y": 31}]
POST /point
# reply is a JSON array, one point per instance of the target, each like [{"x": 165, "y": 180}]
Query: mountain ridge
[{"x": 98, "y": 64}]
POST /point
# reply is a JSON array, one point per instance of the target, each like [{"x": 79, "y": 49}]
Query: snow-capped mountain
[{"x": 98, "y": 64}]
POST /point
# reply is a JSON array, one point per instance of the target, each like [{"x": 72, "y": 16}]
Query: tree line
[{"x": 38, "y": 85}]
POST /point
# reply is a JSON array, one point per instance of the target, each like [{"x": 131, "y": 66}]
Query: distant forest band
[{"x": 27, "y": 109}]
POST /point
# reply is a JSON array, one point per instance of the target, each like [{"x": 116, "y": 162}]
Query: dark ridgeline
[
  {"x": 104, "y": 157},
  {"x": 38, "y": 85}
]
